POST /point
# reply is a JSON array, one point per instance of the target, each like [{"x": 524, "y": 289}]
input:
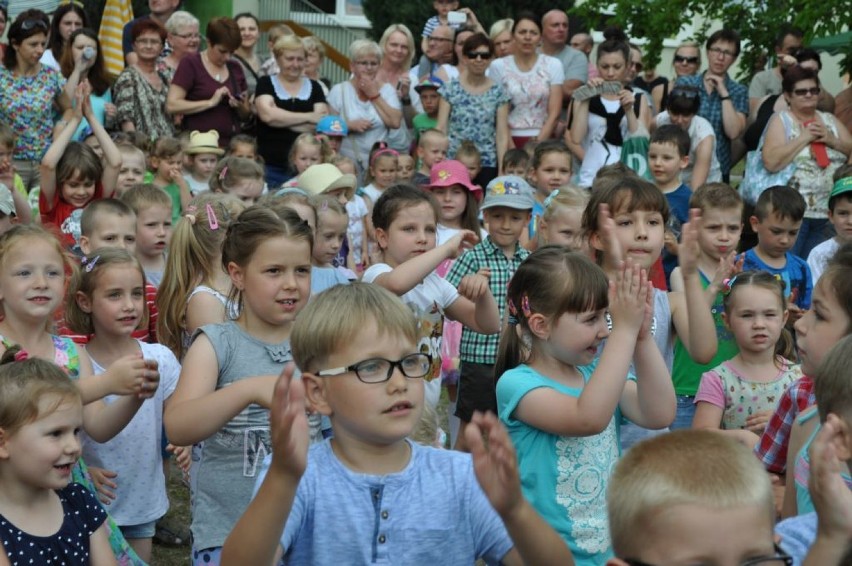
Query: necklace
[{"x": 218, "y": 76}]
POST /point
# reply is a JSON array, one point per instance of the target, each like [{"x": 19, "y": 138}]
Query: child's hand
[
  {"x": 645, "y": 329},
  {"x": 613, "y": 254},
  {"x": 81, "y": 94},
  {"x": 757, "y": 422},
  {"x": 795, "y": 312},
  {"x": 131, "y": 375},
  {"x": 183, "y": 456},
  {"x": 832, "y": 499},
  {"x": 472, "y": 287},
  {"x": 688, "y": 250},
  {"x": 264, "y": 390},
  {"x": 104, "y": 484},
  {"x": 494, "y": 462},
  {"x": 729, "y": 265},
  {"x": 151, "y": 380},
  {"x": 670, "y": 242},
  {"x": 87, "y": 104},
  {"x": 629, "y": 297},
  {"x": 288, "y": 424},
  {"x": 462, "y": 241}
]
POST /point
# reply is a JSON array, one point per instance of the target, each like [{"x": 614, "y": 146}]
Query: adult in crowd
[
  {"x": 66, "y": 19},
  {"x": 501, "y": 36},
  {"x": 397, "y": 44},
  {"x": 768, "y": 82},
  {"x": 209, "y": 88},
  {"x": 31, "y": 93},
  {"x": 816, "y": 143},
  {"x": 533, "y": 80},
  {"x": 4, "y": 18},
  {"x": 724, "y": 102},
  {"x": 602, "y": 123},
  {"x": 183, "y": 37},
  {"x": 83, "y": 60},
  {"x": 584, "y": 42},
  {"x": 554, "y": 42},
  {"x": 451, "y": 70},
  {"x": 288, "y": 104},
  {"x": 634, "y": 73},
  {"x": 686, "y": 62},
  {"x": 439, "y": 51},
  {"x": 843, "y": 107},
  {"x": 476, "y": 108},
  {"x": 141, "y": 88},
  {"x": 246, "y": 53},
  {"x": 646, "y": 78},
  {"x": 158, "y": 10},
  {"x": 369, "y": 108},
  {"x": 314, "y": 56}
]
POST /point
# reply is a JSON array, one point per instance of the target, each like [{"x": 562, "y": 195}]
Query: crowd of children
[{"x": 290, "y": 346}]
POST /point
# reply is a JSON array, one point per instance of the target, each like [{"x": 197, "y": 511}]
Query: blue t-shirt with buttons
[{"x": 432, "y": 512}]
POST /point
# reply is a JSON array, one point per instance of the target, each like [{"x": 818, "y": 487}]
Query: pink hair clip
[
  {"x": 212, "y": 221},
  {"x": 21, "y": 355},
  {"x": 222, "y": 174},
  {"x": 525, "y": 306}
]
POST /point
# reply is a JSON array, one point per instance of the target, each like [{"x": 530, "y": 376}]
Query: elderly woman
[
  {"x": 30, "y": 92},
  {"x": 77, "y": 65},
  {"x": 209, "y": 88},
  {"x": 533, "y": 80},
  {"x": 501, "y": 36},
  {"x": 288, "y": 104},
  {"x": 369, "y": 107},
  {"x": 141, "y": 89},
  {"x": 246, "y": 54},
  {"x": 314, "y": 56},
  {"x": 794, "y": 136},
  {"x": 183, "y": 38},
  {"x": 66, "y": 19}
]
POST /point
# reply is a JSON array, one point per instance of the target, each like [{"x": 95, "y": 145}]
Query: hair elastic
[
  {"x": 513, "y": 313},
  {"x": 549, "y": 200},
  {"x": 383, "y": 151},
  {"x": 525, "y": 306},
  {"x": 212, "y": 221},
  {"x": 21, "y": 355},
  {"x": 191, "y": 218}
]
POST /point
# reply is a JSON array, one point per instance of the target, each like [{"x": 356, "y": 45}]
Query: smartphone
[{"x": 456, "y": 18}]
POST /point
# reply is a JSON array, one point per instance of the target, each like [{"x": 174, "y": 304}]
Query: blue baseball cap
[{"x": 332, "y": 126}]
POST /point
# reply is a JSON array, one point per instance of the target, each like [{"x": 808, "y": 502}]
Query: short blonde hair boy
[{"x": 684, "y": 467}]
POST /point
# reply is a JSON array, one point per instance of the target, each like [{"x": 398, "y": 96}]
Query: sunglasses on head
[
  {"x": 32, "y": 23},
  {"x": 478, "y": 55},
  {"x": 688, "y": 60},
  {"x": 685, "y": 92}
]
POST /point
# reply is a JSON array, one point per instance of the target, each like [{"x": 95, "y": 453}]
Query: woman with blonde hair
[
  {"x": 501, "y": 36},
  {"x": 314, "y": 56}
]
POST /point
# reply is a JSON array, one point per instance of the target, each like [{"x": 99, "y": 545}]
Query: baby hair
[
  {"x": 78, "y": 159},
  {"x": 784, "y": 347},
  {"x": 832, "y": 386},
  {"x": 546, "y": 148},
  {"x": 719, "y": 196},
  {"x": 683, "y": 467},
  {"x": 308, "y": 139},
  {"x": 468, "y": 149},
  {"x": 167, "y": 147},
  {"x": 397, "y": 198},
  {"x": 431, "y": 135},
  {"x": 626, "y": 195},
  {"x": 102, "y": 206},
  {"x": 380, "y": 150},
  {"x": 231, "y": 170},
  {"x": 674, "y": 135},
  {"x": 515, "y": 159},
  {"x": 141, "y": 197},
  {"x": 568, "y": 196},
  {"x": 21, "y": 232},
  {"x": 320, "y": 331},
  {"x": 8, "y": 138},
  {"x": 550, "y": 282},
  {"x": 786, "y": 202},
  {"x": 254, "y": 226},
  {"x": 196, "y": 241},
  {"x": 85, "y": 281},
  {"x": 24, "y": 382}
]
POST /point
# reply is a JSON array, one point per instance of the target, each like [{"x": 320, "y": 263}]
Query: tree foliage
[
  {"x": 757, "y": 21},
  {"x": 383, "y": 13}
]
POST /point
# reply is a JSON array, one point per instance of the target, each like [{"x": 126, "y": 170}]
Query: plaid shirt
[
  {"x": 772, "y": 448},
  {"x": 711, "y": 110},
  {"x": 482, "y": 348}
]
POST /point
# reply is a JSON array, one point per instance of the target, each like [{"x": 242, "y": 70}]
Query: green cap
[{"x": 841, "y": 186}]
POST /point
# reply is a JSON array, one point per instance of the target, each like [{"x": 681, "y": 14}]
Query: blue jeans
[
  {"x": 813, "y": 232},
  {"x": 276, "y": 176},
  {"x": 685, "y": 412}
]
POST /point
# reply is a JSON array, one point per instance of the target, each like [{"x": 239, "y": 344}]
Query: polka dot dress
[{"x": 70, "y": 545}]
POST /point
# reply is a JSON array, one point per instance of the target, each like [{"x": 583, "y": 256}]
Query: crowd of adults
[{"x": 500, "y": 89}]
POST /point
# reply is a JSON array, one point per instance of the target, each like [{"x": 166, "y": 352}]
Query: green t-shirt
[{"x": 174, "y": 192}]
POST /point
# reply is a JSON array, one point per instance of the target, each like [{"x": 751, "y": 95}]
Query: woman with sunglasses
[
  {"x": 476, "y": 108},
  {"x": 31, "y": 92},
  {"x": 816, "y": 143},
  {"x": 686, "y": 62}
]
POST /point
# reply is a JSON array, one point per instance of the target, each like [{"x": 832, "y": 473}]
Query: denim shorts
[
  {"x": 144, "y": 530},
  {"x": 685, "y": 412}
]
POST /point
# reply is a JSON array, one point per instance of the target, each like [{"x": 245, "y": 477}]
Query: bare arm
[
  {"x": 100, "y": 551},
  {"x": 503, "y": 136},
  {"x": 476, "y": 307},
  {"x": 60, "y": 144},
  {"x": 112, "y": 156},
  {"x": 176, "y": 102},
  {"x": 579, "y": 128},
  {"x": 650, "y": 400},
  {"x": 391, "y": 117},
  {"x": 276, "y": 117},
  {"x": 443, "y": 115},
  {"x": 554, "y": 108},
  {"x": 703, "y": 158},
  {"x": 778, "y": 151},
  {"x": 203, "y": 308}
]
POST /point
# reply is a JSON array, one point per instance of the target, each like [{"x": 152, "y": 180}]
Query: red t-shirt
[{"x": 61, "y": 211}]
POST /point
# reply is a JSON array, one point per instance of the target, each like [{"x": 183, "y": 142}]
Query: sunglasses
[
  {"x": 32, "y": 23},
  {"x": 687, "y": 60},
  {"x": 484, "y": 55},
  {"x": 685, "y": 92},
  {"x": 813, "y": 91}
]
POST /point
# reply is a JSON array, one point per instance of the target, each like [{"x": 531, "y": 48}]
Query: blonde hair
[
  {"x": 231, "y": 170},
  {"x": 312, "y": 140},
  {"x": 501, "y": 26},
  {"x": 141, "y": 197},
  {"x": 313, "y": 43},
  {"x": 327, "y": 203},
  {"x": 292, "y": 198},
  {"x": 684, "y": 467},
  {"x": 23, "y": 384},
  {"x": 409, "y": 38},
  {"x": 196, "y": 242},
  {"x": 832, "y": 386},
  {"x": 288, "y": 43},
  {"x": 85, "y": 281},
  {"x": 692, "y": 44},
  {"x": 319, "y": 330},
  {"x": 568, "y": 196},
  {"x": 278, "y": 31}
]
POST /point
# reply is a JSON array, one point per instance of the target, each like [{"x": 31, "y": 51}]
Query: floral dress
[
  {"x": 474, "y": 117},
  {"x": 138, "y": 102},
  {"x": 27, "y": 107},
  {"x": 65, "y": 355}
]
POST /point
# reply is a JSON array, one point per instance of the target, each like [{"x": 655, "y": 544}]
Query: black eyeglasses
[
  {"x": 688, "y": 60},
  {"x": 813, "y": 91},
  {"x": 379, "y": 370},
  {"x": 485, "y": 55},
  {"x": 31, "y": 23},
  {"x": 780, "y": 558}
]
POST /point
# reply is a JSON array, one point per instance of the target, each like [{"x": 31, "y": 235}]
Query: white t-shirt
[
  {"x": 428, "y": 300},
  {"x": 48, "y": 60},
  {"x": 136, "y": 452},
  {"x": 699, "y": 129},
  {"x": 196, "y": 187},
  {"x": 819, "y": 256},
  {"x": 345, "y": 102},
  {"x": 529, "y": 90}
]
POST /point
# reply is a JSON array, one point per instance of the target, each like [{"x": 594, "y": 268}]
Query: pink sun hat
[{"x": 451, "y": 172}]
